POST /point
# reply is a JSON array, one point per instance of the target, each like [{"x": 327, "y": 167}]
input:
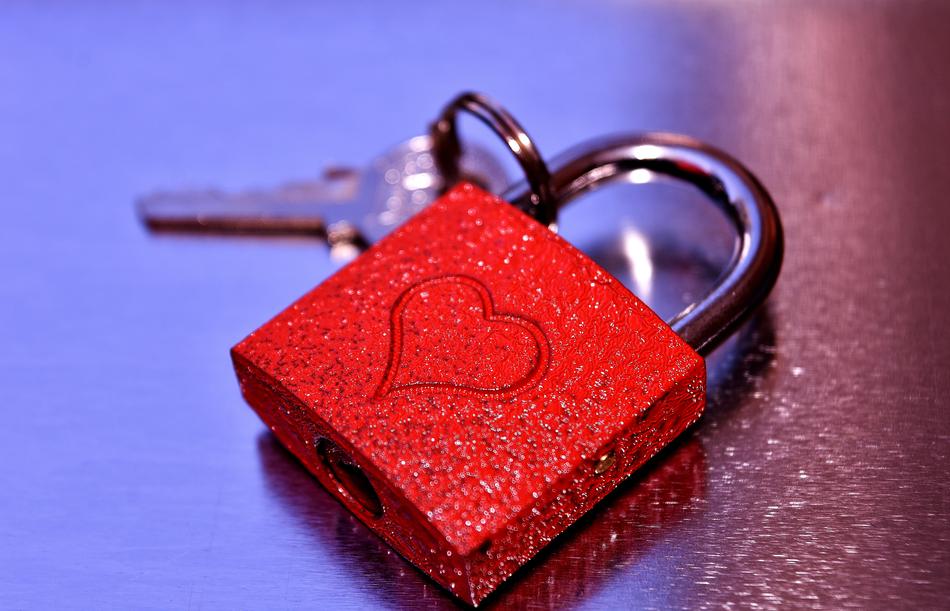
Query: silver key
[{"x": 347, "y": 207}]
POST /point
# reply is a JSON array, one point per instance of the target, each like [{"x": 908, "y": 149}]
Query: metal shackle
[{"x": 639, "y": 158}]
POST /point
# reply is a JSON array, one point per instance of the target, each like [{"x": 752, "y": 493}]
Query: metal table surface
[{"x": 133, "y": 475}]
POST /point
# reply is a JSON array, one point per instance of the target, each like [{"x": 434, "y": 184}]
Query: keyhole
[{"x": 349, "y": 477}]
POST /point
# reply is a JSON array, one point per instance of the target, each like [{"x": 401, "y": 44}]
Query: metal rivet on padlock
[{"x": 472, "y": 384}]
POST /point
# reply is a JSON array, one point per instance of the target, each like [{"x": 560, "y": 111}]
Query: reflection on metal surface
[
  {"x": 726, "y": 182},
  {"x": 609, "y": 542},
  {"x": 616, "y": 533},
  {"x": 637, "y": 251},
  {"x": 641, "y": 176},
  {"x": 664, "y": 271}
]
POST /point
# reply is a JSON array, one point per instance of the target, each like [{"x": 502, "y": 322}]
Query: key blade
[
  {"x": 349, "y": 209},
  {"x": 214, "y": 212},
  {"x": 300, "y": 208}
]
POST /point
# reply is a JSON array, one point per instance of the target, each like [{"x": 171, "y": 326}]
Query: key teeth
[
  {"x": 346, "y": 241},
  {"x": 340, "y": 172}
]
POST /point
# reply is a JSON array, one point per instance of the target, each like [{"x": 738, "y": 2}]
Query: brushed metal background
[{"x": 134, "y": 477}]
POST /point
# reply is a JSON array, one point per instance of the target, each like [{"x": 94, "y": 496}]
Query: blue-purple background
[{"x": 132, "y": 475}]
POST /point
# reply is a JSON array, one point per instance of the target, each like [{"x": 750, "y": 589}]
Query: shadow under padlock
[
  {"x": 615, "y": 534},
  {"x": 362, "y": 555}
]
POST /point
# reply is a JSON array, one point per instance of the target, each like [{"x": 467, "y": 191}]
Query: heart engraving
[{"x": 446, "y": 334}]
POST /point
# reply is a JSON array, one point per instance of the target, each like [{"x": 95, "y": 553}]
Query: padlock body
[{"x": 470, "y": 386}]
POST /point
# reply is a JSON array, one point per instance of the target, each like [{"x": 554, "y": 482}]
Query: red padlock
[{"x": 472, "y": 384}]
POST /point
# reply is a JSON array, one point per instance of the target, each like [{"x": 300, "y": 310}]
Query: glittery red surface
[{"x": 476, "y": 367}]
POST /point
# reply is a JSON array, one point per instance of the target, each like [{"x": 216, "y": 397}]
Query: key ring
[
  {"x": 641, "y": 158},
  {"x": 539, "y": 202}
]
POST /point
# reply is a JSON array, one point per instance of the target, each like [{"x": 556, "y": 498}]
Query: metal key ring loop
[
  {"x": 540, "y": 202},
  {"x": 640, "y": 158}
]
